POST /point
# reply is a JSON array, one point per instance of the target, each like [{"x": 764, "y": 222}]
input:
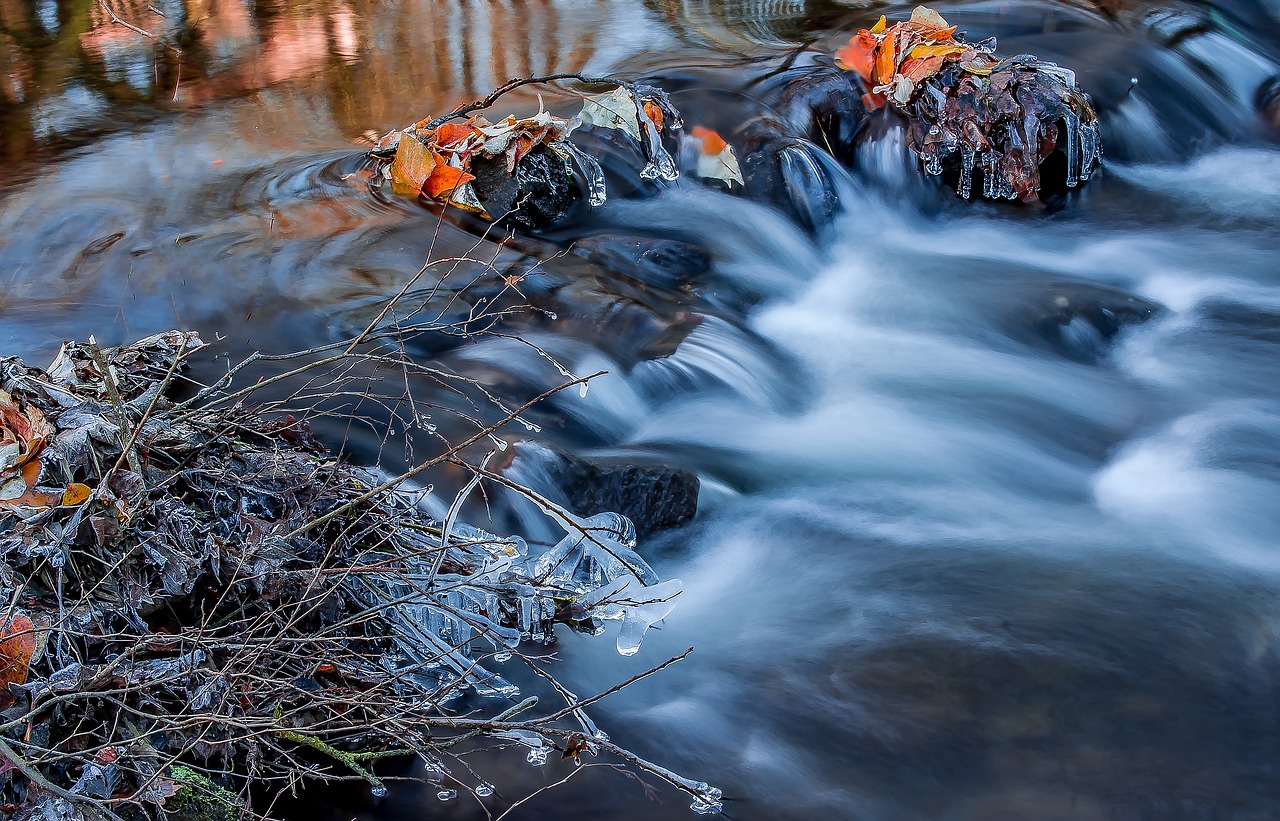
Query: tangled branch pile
[
  {"x": 198, "y": 598},
  {"x": 1003, "y": 116}
]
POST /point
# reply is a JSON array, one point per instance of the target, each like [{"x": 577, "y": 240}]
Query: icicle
[
  {"x": 1072, "y": 124},
  {"x": 989, "y": 174},
  {"x": 660, "y": 164},
  {"x": 1090, "y": 149},
  {"x": 590, "y": 170},
  {"x": 965, "y": 188}
]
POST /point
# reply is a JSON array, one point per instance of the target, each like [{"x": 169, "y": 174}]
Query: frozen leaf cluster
[
  {"x": 972, "y": 110},
  {"x": 437, "y": 162},
  {"x": 439, "y": 158}
]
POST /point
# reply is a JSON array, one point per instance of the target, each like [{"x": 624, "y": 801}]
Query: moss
[{"x": 199, "y": 799}]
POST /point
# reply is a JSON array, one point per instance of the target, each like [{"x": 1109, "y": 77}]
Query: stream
[{"x": 970, "y": 546}]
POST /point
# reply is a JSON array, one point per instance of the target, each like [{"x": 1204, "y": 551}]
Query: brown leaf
[
  {"x": 917, "y": 70},
  {"x": 17, "y": 648}
]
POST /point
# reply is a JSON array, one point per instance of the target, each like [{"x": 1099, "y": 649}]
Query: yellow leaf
[
  {"x": 936, "y": 50},
  {"x": 76, "y": 494},
  {"x": 880, "y": 25}
]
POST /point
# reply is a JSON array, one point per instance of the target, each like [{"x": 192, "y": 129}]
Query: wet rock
[
  {"x": 665, "y": 263},
  {"x": 1077, "y": 320},
  {"x": 540, "y": 193},
  {"x": 792, "y": 176},
  {"x": 652, "y": 495},
  {"x": 823, "y": 104},
  {"x": 1268, "y": 102}
]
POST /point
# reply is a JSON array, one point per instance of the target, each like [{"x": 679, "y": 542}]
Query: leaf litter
[{"x": 971, "y": 110}]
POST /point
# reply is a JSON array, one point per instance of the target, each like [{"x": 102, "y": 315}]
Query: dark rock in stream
[
  {"x": 1268, "y": 102},
  {"x": 790, "y": 175},
  {"x": 540, "y": 193},
  {"x": 653, "y": 496},
  {"x": 1077, "y": 319}
]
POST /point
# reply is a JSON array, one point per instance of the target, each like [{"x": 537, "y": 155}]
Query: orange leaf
[
  {"x": 76, "y": 494},
  {"x": 17, "y": 646},
  {"x": 885, "y": 62},
  {"x": 653, "y": 112},
  {"x": 413, "y": 164},
  {"x": 859, "y": 54},
  {"x": 712, "y": 143},
  {"x": 444, "y": 179},
  {"x": 450, "y": 133}
]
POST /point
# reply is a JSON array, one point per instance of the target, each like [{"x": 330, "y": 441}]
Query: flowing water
[{"x": 960, "y": 553}]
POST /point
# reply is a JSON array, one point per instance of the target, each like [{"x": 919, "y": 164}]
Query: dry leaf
[
  {"x": 716, "y": 160},
  {"x": 885, "y": 65},
  {"x": 413, "y": 164},
  {"x": 23, "y": 433},
  {"x": 444, "y": 179},
  {"x": 17, "y": 649},
  {"x": 859, "y": 54},
  {"x": 927, "y": 18},
  {"x": 617, "y": 110},
  {"x": 76, "y": 494}
]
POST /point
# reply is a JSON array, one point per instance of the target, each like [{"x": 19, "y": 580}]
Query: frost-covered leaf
[{"x": 616, "y": 109}]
